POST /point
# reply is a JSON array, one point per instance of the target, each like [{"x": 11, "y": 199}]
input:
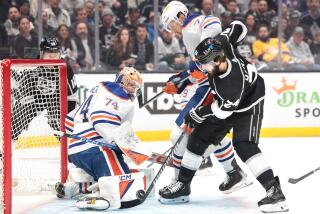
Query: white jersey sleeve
[
  {"x": 110, "y": 107},
  {"x": 196, "y": 28}
]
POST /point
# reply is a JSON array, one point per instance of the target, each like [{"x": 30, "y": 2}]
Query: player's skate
[
  {"x": 235, "y": 180},
  {"x": 275, "y": 201},
  {"x": 177, "y": 192},
  {"x": 93, "y": 203},
  {"x": 67, "y": 190}
]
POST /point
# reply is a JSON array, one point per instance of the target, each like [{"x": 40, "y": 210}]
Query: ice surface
[{"x": 289, "y": 157}]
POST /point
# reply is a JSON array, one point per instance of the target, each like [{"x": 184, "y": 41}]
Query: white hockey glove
[{"x": 125, "y": 137}]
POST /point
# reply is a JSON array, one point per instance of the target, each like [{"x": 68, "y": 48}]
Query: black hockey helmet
[
  {"x": 208, "y": 50},
  {"x": 49, "y": 44}
]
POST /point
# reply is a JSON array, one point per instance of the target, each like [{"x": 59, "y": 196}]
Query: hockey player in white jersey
[
  {"x": 102, "y": 116},
  {"x": 194, "y": 29}
]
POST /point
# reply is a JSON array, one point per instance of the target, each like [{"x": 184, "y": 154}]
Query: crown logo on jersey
[{"x": 285, "y": 86}]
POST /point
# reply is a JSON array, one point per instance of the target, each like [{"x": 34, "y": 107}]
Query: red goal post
[{"x": 32, "y": 90}]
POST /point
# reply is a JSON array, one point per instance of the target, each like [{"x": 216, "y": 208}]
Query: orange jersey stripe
[
  {"x": 68, "y": 123},
  {"x": 209, "y": 20},
  {"x": 112, "y": 159},
  {"x": 104, "y": 117},
  {"x": 225, "y": 154}
]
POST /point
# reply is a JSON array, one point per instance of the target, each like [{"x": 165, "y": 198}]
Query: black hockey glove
[{"x": 196, "y": 116}]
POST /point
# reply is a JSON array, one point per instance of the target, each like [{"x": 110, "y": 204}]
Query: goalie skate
[
  {"x": 93, "y": 203},
  {"x": 175, "y": 193}
]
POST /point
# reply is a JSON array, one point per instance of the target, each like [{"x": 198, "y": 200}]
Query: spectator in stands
[
  {"x": 4, "y": 8},
  {"x": 266, "y": 48},
  {"x": 34, "y": 6},
  {"x": 81, "y": 16},
  {"x": 133, "y": 20},
  {"x": 83, "y": 46},
  {"x": 285, "y": 10},
  {"x": 64, "y": 37},
  {"x": 315, "y": 48},
  {"x": 57, "y": 16},
  {"x": 90, "y": 12},
  {"x": 3, "y": 36},
  {"x": 226, "y": 19},
  {"x": 70, "y": 5},
  {"x": 143, "y": 48},
  {"x": 285, "y": 28},
  {"x": 170, "y": 53},
  {"x": 253, "y": 7},
  {"x": 150, "y": 26},
  {"x": 312, "y": 18},
  {"x": 243, "y": 6},
  {"x": 26, "y": 43},
  {"x": 120, "y": 54},
  {"x": 233, "y": 8},
  {"x": 264, "y": 15},
  {"x": 294, "y": 22},
  {"x": 101, "y": 8},
  {"x": 249, "y": 21},
  {"x": 48, "y": 31},
  {"x": 24, "y": 8},
  {"x": 119, "y": 7},
  {"x": 207, "y": 8},
  {"x": 12, "y": 23},
  {"x": 300, "y": 51},
  {"x": 108, "y": 29}
]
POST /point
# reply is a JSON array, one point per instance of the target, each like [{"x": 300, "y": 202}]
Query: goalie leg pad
[
  {"x": 79, "y": 175},
  {"x": 109, "y": 190}
]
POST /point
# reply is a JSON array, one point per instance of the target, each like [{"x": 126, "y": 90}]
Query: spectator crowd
[{"x": 127, "y": 33}]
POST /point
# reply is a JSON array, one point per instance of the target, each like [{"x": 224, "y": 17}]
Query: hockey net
[{"x": 33, "y": 103}]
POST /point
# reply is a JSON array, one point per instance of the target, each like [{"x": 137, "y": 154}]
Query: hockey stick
[
  {"x": 296, "y": 180},
  {"x": 141, "y": 104},
  {"x": 142, "y": 196},
  {"x": 135, "y": 157}
]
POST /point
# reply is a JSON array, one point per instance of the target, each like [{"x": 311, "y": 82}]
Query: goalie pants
[
  {"x": 246, "y": 130},
  {"x": 98, "y": 162}
]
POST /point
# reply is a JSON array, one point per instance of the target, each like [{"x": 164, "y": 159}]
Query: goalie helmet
[
  {"x": 131, "y": 80},
  {"x": 171, "y": 12}
]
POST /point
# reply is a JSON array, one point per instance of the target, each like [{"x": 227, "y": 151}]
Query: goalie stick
[
  {"x": 296, "y": 180},
  {"x": 136, "y": 157}
]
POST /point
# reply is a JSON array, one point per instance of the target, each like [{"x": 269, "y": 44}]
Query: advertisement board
[{"x": 292, "y": 104}]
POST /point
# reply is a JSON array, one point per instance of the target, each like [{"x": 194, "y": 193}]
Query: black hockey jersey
[{"x": 240, "y": 87}]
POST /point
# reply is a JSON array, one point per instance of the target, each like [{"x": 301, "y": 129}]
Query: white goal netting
[{"x": 35, "y": 111}]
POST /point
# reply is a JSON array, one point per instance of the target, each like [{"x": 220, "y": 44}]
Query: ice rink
[{"x": 289, "y": 157}]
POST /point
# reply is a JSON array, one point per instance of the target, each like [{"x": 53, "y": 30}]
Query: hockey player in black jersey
[
  {"x": 39, "y": 87},
  {"x": 239, "y": 106}
]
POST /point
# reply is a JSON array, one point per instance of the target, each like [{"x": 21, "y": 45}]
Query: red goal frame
[{"x": 6, "y": 117}]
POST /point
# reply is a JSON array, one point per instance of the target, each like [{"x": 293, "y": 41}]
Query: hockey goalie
[{"x": 104, "y": 116}]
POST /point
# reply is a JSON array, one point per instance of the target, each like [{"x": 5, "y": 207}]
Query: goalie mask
[
  {"x": 208, "y": 53},
  {"x": 131, "y": 81},
  {"x": 50, "y": 48}
]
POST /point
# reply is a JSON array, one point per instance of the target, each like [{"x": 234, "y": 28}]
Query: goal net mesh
[{"x": 35, "y": 111}]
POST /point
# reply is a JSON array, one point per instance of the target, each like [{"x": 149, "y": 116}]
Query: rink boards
[{"x": 291, "y": 104}]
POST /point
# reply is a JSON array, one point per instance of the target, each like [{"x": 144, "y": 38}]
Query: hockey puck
[{"x": 140, "y": 194}]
